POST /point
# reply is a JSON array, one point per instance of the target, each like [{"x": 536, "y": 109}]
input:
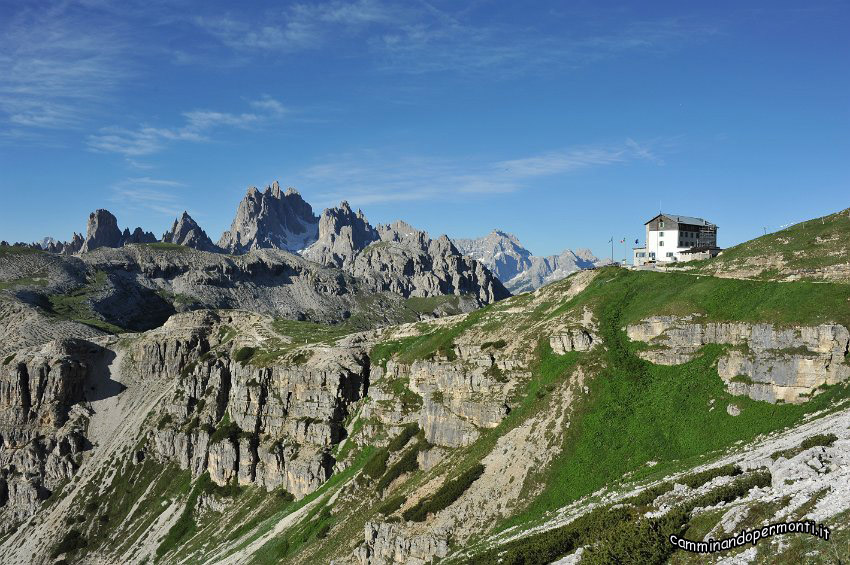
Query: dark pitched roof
[{"x": 682, "y": 220}]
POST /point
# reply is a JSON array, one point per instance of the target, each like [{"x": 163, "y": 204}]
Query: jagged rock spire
[{"x": 271, "y": 219}]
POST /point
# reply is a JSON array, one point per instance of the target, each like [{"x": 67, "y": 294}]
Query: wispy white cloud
[
  {"x": 239, "y": 34},
  {"x": 160, "y": 196},
  {"x": 371, "y": 177},
  {"x": 197, "y": 126},
  {"x": 448, "y": 44},
  {"x": 301, "y": 26},
  {"x": 56, "y": 64},
  {"x": 418, "y": 38},
  {"x": 564, "y": 161},
  {"x": 269, "y": 105}
]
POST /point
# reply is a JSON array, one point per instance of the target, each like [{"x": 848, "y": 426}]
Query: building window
[
  {"x": 661, "y": 224},
  {"x": 661, "y": 234},
  {"x": 669, "y": 254},
  {"x": 660, "y": 244}
]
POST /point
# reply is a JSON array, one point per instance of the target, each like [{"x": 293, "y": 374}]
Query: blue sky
[{"x": 562, "y": 122}]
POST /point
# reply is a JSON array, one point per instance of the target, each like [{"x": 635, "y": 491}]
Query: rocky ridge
[
  {"x": 399, "y": 258},
  {"x": 393, "y": 258},
  {"x": 102, "y": 231}
]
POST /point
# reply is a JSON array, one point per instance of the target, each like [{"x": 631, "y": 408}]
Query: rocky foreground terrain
[{"x": 380, "y": 399}]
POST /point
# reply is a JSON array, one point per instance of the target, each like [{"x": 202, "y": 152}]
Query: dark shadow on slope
[{"x": 99, "y": 383}]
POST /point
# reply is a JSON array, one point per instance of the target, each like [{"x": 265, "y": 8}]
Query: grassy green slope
[
  {"x": 637, "y": 412},
  {"x": 809, "y": 249}
]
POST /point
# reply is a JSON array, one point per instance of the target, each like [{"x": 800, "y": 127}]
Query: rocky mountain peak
[
  {"x": 503, "y": 235},
  {"x": 404, "y": 233},
  {"x": 586, "y": 255},
  {"x": 342, "y": 233},
  {"x": 101, "y": 231},
  {"x": 186, "y": 231},
  {"x": 499, "y": 250},
  {"x": 271, "y": 219}
]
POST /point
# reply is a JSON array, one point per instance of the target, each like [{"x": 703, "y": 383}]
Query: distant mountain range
[
  {"x": 516, "y": 267},
  {"x": 386, "y": 254}
]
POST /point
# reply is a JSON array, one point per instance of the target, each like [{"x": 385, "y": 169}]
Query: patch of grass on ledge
[
  {"x": 23, "y": 281},
  {"x": 18, "y": 250},
  {"x": 75, "y": 306},
  {"x": 161, "y": 246},
  {"x": 425, "y": 346}
]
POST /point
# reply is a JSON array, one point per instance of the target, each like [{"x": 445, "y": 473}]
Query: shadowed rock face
[
  {"x": 186, "y": 231},
  {"x": 101, "y": 231},
  {"x": 271, "y": 219},
  {"x": 40, "y": 433}
]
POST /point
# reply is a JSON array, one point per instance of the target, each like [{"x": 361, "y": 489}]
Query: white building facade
[{"x": 671, "y": 237}]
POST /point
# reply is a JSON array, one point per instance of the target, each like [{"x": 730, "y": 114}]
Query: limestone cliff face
[
  {"x": 573, "y": 339},
  {"x": 387, "y": 544},
  {"x": 271, "y": 426},
  {"x": 452, "y": 400},
  {"x": 766, "y": 363},
  {"x": 41, "y": 430},
  {"x": 38, "y": 387}
]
